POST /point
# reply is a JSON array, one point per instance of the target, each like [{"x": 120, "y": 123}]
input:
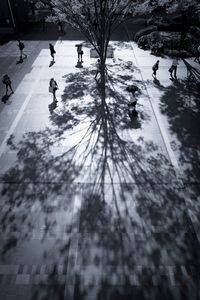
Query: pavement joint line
[
  {"x": 179, "y": 173},
  {"x": 163, "y": 132}
]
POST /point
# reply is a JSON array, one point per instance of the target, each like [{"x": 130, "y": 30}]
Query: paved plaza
[{"x": 96, "y": 205}]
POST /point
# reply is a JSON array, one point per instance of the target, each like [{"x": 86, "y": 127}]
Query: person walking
[
  {"x": 52, "y": 50},
  {"x": 7, "y": 81},
  {"x": 60, "y": 27},
  {"x": 197, "y": 58},
  {"x": 170, "y": 72},
  {"x": 155, "y": 68},
  {"x": 21, "y": 49},
  {"x": 174, "y": 67},
  {"x": 53, "y": 87},
  {"x": 80, "y": 52},
  {"x": 98, "y": 68},
  {"x": 43, "y": 22},
  {"x": 132, "y": 102}
]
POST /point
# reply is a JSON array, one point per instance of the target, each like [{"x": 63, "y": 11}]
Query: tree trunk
[{"x": 103, "y": 81}]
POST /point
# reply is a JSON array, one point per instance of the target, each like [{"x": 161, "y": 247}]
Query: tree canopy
[{"x": 94, "y": 18}]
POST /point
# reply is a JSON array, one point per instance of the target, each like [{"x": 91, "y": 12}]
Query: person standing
[
  {"x": 80, "y": 52},
  {"x": 43, "y": 21},
  {"x": 197, "y": 58},
  {"x": 52, "y": 50},
  {"x": 6, "y": 80},
  {"x": 98, "y": 68},
  {"x": 60, "y": 27},
  {"x": 174, "y": 67},
  {"x": 170, "y": 72},
  {"x": 155, "y": 68},
  {"x": 21, "y": 49},
  {"x": 132, "y": 103},
  {"x": 53, "y": 87}
]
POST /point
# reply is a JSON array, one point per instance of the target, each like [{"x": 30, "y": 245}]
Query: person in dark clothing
[
  {"x": 197, "y": 57},
  {"x": 155, "y": 68},
  {"x": 21, "y": 49},
  {"x": 170, "y": 72},
  {"x": 6, "y": 80},
  {"x": 43, "y": 22},
  {"x": 52, "y": 50},
  {"x": 174, "y": 66},
  {"x": 80, "y": 52},
  {"x": 60, "y": 27}
]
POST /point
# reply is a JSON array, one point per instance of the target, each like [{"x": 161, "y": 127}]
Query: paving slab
[{"x": 91, "y": 205}]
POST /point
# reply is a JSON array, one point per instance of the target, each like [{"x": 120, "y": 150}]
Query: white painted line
[
  {"x": 163, "y": 131},
  {"x": 20, "y": 113},
  {"x": 161, "y": 126},
  {"x": 157, "y": 114},
  {"x": 22, "y": 109}
]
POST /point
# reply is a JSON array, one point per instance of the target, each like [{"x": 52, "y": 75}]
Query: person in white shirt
[
  {"x": 132, "y": 104},
  {"x": 53, "y": 88},
  {"x": 98, "y": 68}
]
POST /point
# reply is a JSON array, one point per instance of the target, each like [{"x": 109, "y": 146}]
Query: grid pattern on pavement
[{"x": 51, "y": 237}]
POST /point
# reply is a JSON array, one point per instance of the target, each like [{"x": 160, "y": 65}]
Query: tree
[
  {"x": 39, "y": 4},
  {"x": 95, "y": 19},
  {"x": 185, "y": 8}
]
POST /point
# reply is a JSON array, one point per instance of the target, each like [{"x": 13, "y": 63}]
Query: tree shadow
[
  {"x": 180, "y": 103},
  {"x": 132, "y": 222}
]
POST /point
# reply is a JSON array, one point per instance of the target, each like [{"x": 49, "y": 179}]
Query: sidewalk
[{"x": 91, "y": 206}]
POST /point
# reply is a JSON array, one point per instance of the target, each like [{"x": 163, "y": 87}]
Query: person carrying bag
[{"x": 53, "y": 87}]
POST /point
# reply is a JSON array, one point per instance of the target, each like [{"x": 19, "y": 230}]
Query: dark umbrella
[{"x": 132, "y": 88}]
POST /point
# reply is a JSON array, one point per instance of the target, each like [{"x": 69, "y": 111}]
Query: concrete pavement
[{"x": 91, "y": 206}]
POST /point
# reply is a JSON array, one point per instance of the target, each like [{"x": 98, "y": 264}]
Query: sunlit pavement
[{"x": 94, "y": 204}]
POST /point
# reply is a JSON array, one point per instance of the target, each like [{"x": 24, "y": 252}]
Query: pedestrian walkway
[
  {"x": 91, "y": 207},
  {"x": 33, "y": 97}
]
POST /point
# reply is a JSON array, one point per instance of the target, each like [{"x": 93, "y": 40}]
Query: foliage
[
  {"x": 167, "y": 6},
  {"x": 95, "y": 19}
]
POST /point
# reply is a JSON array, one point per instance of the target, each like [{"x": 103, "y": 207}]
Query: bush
[
  {"x": 144, "y": 31},
  {"x": 168, "y": 43}
]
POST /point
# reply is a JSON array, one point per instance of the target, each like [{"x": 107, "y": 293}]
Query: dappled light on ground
[{"x": 132, "y": 229}]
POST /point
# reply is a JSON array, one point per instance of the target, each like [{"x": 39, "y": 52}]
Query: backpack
[
  {"x": 6, "y": 80},
  {"x": 155, "y": 67},
  {"x": 21, "y": 46}
]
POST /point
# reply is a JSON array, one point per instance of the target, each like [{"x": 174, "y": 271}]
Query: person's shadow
[
  {"x": 5, "y": 98},
  {"x": 52, "y": 106},
  {"x": 135, "y": 122},
  {"x": 79, "y": 64},
  {"x": 20, "y": 61},
  {"x": 52, "y": 62}
]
